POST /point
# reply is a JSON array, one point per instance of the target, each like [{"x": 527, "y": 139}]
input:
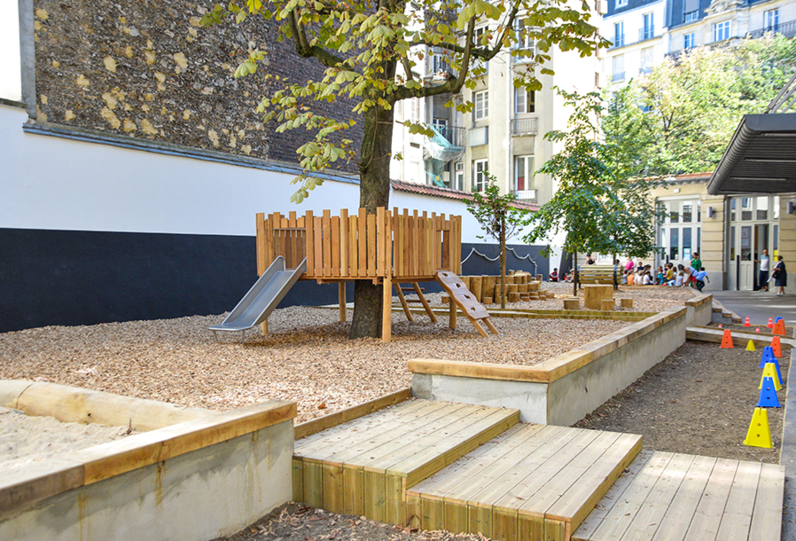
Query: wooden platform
[
  {"x": 534, "y": 482},
  {"x": 364, "y": 467},
  {"x": 666, "y": 496}
]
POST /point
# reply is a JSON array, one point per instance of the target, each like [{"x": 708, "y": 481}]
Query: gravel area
[
  {"x": 295, "y": 522},
  {"x": 645, "y": 299},
  {"x": 25, "y": 439},
  {"x": 699, "y": 400},
  {"x": 307, "y": 357}
]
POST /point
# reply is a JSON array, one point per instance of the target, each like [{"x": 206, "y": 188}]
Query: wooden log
[
  {"x": 452, "y": 314},
  {"x": 572, "y": 304},
  {"x": 341, "y": 300},
  {"x": 445, "y": 299},
  {"x": 607, "y": 305},
  {"x": 594, "y": 294},
  {"x": 626, "y": 303},
  {"x": 488, "y": 287},
  {"x": 533, "y": 286},
  {"x": 539, "y": 277},
  {"x": 510, "y": 273},
  {"x": 512, "y": 288},
  {"x": 264, "y": 327},
  {"x": 514, "y": 296},
  {"x": 486, "y": 300},
  {"x": 525, "y": 297},
  {"x": 551, "y": 295},
  {"x": 466, "y": 280},
  {"x": 476, "y": 283}
]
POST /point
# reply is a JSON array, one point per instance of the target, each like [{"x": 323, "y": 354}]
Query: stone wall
[{"x": 147, "y": 69}]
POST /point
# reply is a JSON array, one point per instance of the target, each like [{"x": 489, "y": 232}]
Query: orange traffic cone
[
  {"x": 779, "y": 327},
  {"x": 726, "y": 340},
  {"x": 777, "y": 347},
  {"x": 770, "y": 323},
  {"x": 757, "y": 329},
  {"x": 719, "y": 325},
  {"x": 746, "y": 323}
]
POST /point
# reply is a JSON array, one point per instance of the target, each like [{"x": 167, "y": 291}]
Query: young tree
[
  {"x": 362, "y": 43},
  {"x": 500, "y": 219},
  {"x": 595, "y": 209}
]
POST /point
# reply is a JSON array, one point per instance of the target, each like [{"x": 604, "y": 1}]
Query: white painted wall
[
  {"x": 10, "y": 75},
  {"x": 57, "y": 183}
]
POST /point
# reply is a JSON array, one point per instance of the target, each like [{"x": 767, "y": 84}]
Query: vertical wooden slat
[
  {"x": 353, "y": 261},
  {"x": 458, "y": 253},
  {"x": 344, "y": 242},
  {"x": 309, "y": 241},
  {"x": 341, "y": 299},
  {"x": 407, "y": 248},
  {"x": 388, "y": 239},
  {"x": 327, "y": 243},
  {"x": 371, "y": 244},
  {"x": 446, "y": 252},
  {"x": 336, "y": 271},
  {"x": 381, "y": 241},
  {"x": 397, "y": 255},
  {"x": 362, "y": 240},
  {"x": 415, "y": 243},
  {"x": 318, "y": 234},
  {"x": 259, "y": 221},
  {"x": 386, "y": 321}
]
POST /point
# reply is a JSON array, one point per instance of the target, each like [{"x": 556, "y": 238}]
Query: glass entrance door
[{"x": 746, "y": 277}]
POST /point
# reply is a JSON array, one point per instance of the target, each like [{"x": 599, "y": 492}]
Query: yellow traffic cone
[
  {"x": 750, "y": 346},
  {"x": 770, "y": 371},
  {"x": 759, "y": 435}
]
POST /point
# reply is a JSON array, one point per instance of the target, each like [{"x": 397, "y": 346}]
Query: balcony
[
  {"x": 526, "y": 196},
  {"x": 478, "y": 136},
  {"x": 787, "y": 29},
  {"x": 618, "y": 77},
  {"x": 524, "y": 126},
  {"x": 455, "y": 135},
  {"x": 619, "y": 41},
  {"x": 646, "y": 33}
]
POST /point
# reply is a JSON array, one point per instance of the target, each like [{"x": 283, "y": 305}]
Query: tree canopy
[{"x": 680, "y": 118}]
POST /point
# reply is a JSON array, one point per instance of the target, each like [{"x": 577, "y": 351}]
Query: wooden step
[
  {"x": 365, "y": 466},
  {"x": 677, "y": 497},
  {"x": 533, "y": 482}
]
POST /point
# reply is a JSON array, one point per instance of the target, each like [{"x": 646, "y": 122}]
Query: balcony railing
[
  {"x": 526, "y": 196},
  {"x": 619, "y": 41},
  {"x": 618, "y": 76},
  {"x": 454, "y": 134},
  {"x": 787, "y": 29},
  {"x": 524, "y": 126},
  {"x": 646, "y": 33},
  {"x": 645, "y": 71}
]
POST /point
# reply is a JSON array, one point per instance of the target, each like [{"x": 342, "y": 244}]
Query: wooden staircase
[{"x": 464, "y": 468}]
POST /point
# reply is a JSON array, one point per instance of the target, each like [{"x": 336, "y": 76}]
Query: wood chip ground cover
[{"x": 306, "y": 358}]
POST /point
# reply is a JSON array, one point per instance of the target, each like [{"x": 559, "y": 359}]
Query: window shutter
[{"x": 691, "y": 5}]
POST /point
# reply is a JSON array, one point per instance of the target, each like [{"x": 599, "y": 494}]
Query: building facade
[{"x": 503, "y": 135}]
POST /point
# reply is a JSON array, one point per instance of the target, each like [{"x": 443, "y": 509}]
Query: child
[
  {"x": 554, "y": 275},
  {"x": 631, "y": 278},
  {"x": 701, "y": 276},
  {"x": 659, "y": 278},
  {"x": 678, "y": 281},
  {"x": 569, "y": 277},
  {"x": 647, "y": 281}
]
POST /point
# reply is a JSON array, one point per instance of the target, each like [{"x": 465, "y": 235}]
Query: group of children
[{"x": 693, "y": 274}]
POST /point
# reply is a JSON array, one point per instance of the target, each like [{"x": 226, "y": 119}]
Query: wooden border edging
[
  {"x": 37, "y": 481},
  {"x": 314, "y": 426},
  {"x": 739, "y": 338},
  {"x": 552, "y": 369}
]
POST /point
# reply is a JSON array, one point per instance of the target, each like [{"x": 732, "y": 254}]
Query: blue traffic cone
[
  {"x": 768, "y": 395},
  {"x": 768, "y": 356}
]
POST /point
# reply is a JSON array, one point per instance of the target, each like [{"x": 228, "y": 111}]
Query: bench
[{"x": 599, "y": 274}]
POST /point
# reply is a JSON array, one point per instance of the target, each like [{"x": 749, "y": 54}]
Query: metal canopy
[{"x": 761, "y": 157}]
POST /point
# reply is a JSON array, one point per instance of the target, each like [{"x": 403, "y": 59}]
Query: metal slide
[{"x": 263, "y": 297}]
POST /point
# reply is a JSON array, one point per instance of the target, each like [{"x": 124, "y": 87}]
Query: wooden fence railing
[{"x": 361, "y": 245}]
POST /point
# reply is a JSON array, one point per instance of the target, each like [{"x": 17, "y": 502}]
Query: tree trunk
[
  {"x": 577, "y": 274},
  {"x": 374, "y": 191},
  {"x": 502, "y": 263}
]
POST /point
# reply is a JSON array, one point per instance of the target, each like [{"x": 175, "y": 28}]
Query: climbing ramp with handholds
[{"x": 463, "y": 298}]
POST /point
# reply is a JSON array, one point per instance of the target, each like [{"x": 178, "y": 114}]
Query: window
[
  {"x": 480, "y": 179},
  {"x": 458, "y": 176},
  {"x": 776, "y": 207},
  {"x": 619, "y": 67},
  {"x": 762, "y": 207},
  {"x": 732, "y": 243},
  {"x": 439, "y": 62},
  {"x": 691, "y": 16},
  {"x": 441, "y": 124},
  {"x": 721, "y": 31},
  {"x": 481, "y": 105},
  {"x": 523, "y": 173},
  {"x": 674, "y": 212},
  {"x": 646, "y": 61},
  {"x": 771, "y": 20},
  {"x": 746, "y": 209},
  {"x": 619, "y": 34},
  {"x": 480, "y": 63},
  {"x": 10, "y": 73},
  {"x": 733, "y": 204},
  {"x": 688, "y": 41},
  {"x": 525, "y": 42},
  {"x": 621, "y": 3},
  {"x": 649, "y": 26},
  {"x": 674, "y": 247},
  {"x": 524, "y": 101},
  {"x": 687, "y": 214}
]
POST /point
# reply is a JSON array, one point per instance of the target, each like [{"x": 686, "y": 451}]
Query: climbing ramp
[{"x": 466, "y": 301}]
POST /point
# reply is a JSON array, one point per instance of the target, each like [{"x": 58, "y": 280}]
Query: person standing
[
  {"x": 780, "y": 276},
  {"x": 696, "y": 264},
  {"x": 762, "y": 278}
]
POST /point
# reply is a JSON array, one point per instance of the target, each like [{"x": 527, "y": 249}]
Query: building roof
[{"x": 434, "y": 191}]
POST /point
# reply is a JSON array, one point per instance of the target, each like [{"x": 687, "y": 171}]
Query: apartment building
[{"x": 503, "y": 135}]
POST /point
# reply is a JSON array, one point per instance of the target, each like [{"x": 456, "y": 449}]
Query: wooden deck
[
  {"x": 363, "y": 467},
  {"x": 676, "y": 497},
  {"x": 534, "y": 482}
]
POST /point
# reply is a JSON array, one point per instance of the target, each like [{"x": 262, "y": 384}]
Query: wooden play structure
[{"x": 388, "y": 248}]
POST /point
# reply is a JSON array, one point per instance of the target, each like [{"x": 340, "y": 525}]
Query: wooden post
[
  {"x": 452, "y": 317},
  {"x": 386, "y": 321},
  {"x": 264, "y": 327},
  {"x": 341, "y": 300}
]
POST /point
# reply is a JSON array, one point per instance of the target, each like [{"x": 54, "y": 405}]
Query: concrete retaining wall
[
  {"x": 700, "y": 309},
  {"x": 565, "y": 388}
]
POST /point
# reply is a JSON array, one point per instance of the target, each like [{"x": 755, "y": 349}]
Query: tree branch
[{"x": 303, "y": 47}]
